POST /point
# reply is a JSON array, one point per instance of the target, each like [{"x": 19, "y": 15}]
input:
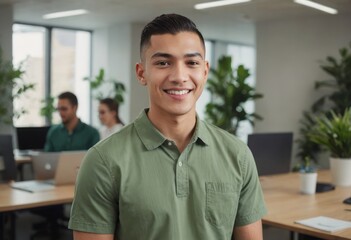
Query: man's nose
[{"x": 179, "y": 73}]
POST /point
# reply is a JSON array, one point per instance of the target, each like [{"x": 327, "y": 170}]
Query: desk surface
[
  {"x": 13, "y": 199},
  {"x": 285, "y": 204}
]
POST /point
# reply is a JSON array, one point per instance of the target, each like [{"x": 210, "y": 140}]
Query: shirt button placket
[{"x": 182, "y": 183}]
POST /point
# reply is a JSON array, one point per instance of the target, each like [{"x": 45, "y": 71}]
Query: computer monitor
[
  {"x": 272, "y": 152},
  {"x": 31, "y": 138}
]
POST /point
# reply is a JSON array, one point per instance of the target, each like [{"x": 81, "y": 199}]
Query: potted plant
[
  {"x": 334, "y": 134},
  {"x": 338, "y": 98},
  {"x": 116, "y": 91},
  {"x": 308, "y": 177},
  {"x": 230, "y": 91},
  {"x": 12, "y": 86}
]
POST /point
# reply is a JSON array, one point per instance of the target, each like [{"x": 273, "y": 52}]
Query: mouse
[{"x": 347, "y": 200}]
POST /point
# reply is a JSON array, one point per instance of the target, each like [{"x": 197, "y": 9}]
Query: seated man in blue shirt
[{"x": 72, "y": 133}]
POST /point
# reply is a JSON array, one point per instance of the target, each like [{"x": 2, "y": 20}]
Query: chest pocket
[{"x": 221, "y": 203}]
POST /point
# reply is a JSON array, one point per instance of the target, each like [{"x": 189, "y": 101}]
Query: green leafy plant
[
  {"x": 230, "y": 91},
  {"x": 117, "y": 91},
  {"x": 12, "y": 86},
  {"x": 48, "y": 108},
  {"x": 334, "y": 133},
  {"x": 337, "y": 99},
  {"x": 306, "y": 166}
]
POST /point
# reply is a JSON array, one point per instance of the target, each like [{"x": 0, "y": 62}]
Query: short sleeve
[
  {"x": 95, "y": 205},
  {"x": 251, "y": 204}
]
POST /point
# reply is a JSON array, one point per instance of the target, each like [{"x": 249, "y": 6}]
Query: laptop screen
[{"x": 31, "y": 138}]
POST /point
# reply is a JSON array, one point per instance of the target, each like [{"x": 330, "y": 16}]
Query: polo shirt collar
[
  {"x": 77, "y": 128},
  {"x": 152, "y": 138}
]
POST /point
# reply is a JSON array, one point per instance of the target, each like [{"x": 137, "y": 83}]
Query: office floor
[{"x": 24, "y": 222}]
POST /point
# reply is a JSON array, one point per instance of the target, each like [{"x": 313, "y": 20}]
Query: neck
[
  {"x": 70, "y": 126},
  {"x": 111, "y": 124},
  {"x": 176, "y": 128}
]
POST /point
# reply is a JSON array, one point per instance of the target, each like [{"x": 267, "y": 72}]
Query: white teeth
[{"x": 179, "y": 92}]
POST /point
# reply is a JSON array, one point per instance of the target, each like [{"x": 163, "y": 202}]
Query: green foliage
[
  {"x": 12, "y": 86},
  {"x": 340, "y": 85},
  {"x": 337, "y": 99},
  {"x": 48, "y": 108},
  {"x": 230, "y": 91},
  {"x": 334, "y": 133},
  {"x": 117, "y": 88},
  {"x": 306, "y": 166}
]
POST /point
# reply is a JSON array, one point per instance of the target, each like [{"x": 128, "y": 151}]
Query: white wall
[
  {"x": 111, "y": 51},
  {"x": 288, "y": 58},
  {"x": 6, "y": 15}
]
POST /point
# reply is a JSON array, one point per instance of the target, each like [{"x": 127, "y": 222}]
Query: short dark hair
[
  {"x": 112, "y": 105},
  {"x": 70, "y": 97},
  {"x": 168, "y": 23}
]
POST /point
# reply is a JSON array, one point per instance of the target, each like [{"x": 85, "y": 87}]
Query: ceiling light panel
[
  {"x": 317, "y": 6},
  {"x": 218, "y": 3},
  {"x": 65, "y": 14}
]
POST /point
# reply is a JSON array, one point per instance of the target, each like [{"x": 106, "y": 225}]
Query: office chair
[
  {"x": 6, "y": 152},
  {"x": 272, "y": 152},
  {"x": 9, "y": 174}
]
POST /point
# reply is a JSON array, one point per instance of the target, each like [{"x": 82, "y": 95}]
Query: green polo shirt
[
  {"x": 137, "y": 185},
  {"x": 59, "y": 139}
]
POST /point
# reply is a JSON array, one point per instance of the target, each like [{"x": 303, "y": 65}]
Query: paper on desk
[{"x": 325, "y": 223}]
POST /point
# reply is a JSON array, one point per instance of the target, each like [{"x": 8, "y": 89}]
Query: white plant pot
[
  {"x": 341, "y": 171},
  {"x": 308, "y": 183}
]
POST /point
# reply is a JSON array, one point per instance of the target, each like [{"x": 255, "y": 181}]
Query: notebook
[
  {"x": 325, "y": 223},
  {"x": 64, "y": 171}
]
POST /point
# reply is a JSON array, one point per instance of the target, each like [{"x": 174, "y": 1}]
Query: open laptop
[{"x": 54, "y": 170}]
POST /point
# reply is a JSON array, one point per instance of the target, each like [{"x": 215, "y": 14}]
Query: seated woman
[{"x": 108, "y": 115}]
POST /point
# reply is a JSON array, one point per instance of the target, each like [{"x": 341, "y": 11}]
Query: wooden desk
[
  {"x": 13, "y": 199},
  {"x": 20, "y": 162},
  {"x": 23, "y": 159},
  {"x": 285, "y": 205}
]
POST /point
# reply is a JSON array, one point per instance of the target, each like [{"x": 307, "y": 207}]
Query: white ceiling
[{"x": 108, "y": 12}]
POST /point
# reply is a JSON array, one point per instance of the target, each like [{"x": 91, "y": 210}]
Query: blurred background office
[{"x": 282, "y": 43}]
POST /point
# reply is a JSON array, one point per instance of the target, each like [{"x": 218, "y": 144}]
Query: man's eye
[
  {"x": 193, "y": 63},
  {"x": 162, "y": 63}
]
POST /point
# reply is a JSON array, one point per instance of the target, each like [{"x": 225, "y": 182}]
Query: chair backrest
[
  {"x": 272, "y": 152},
  {"x": 6, "y": 152}
]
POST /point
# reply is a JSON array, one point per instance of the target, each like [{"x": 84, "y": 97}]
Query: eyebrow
[{"x": 167, "y": 55}]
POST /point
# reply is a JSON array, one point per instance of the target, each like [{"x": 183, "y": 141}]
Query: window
[
  {"x": 29, "y": 48},
  {"x": 56, "y": 60}
]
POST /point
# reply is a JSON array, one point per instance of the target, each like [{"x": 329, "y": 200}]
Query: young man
[
  {"x": 72, "y": 134},
  {"x": 169, "y": 175}
]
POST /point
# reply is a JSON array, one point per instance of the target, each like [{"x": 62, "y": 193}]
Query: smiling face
[{"x": 175, "y": 71}]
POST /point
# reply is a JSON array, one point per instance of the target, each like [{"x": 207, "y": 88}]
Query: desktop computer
[{"x": 31, "y": 138}]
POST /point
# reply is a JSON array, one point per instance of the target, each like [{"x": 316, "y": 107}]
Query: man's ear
[{"x": 139, "y": 69}]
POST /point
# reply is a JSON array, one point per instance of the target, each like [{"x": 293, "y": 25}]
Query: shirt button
[
  {"x": 169, "y": 143},
  {"x": 180, "y": 164}
]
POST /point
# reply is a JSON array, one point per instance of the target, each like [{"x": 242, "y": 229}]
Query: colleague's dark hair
[
  {"x": 167, "y": 23},
  {"x": 70, "y": 97},
  {"x": 112, "y": 105}
]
